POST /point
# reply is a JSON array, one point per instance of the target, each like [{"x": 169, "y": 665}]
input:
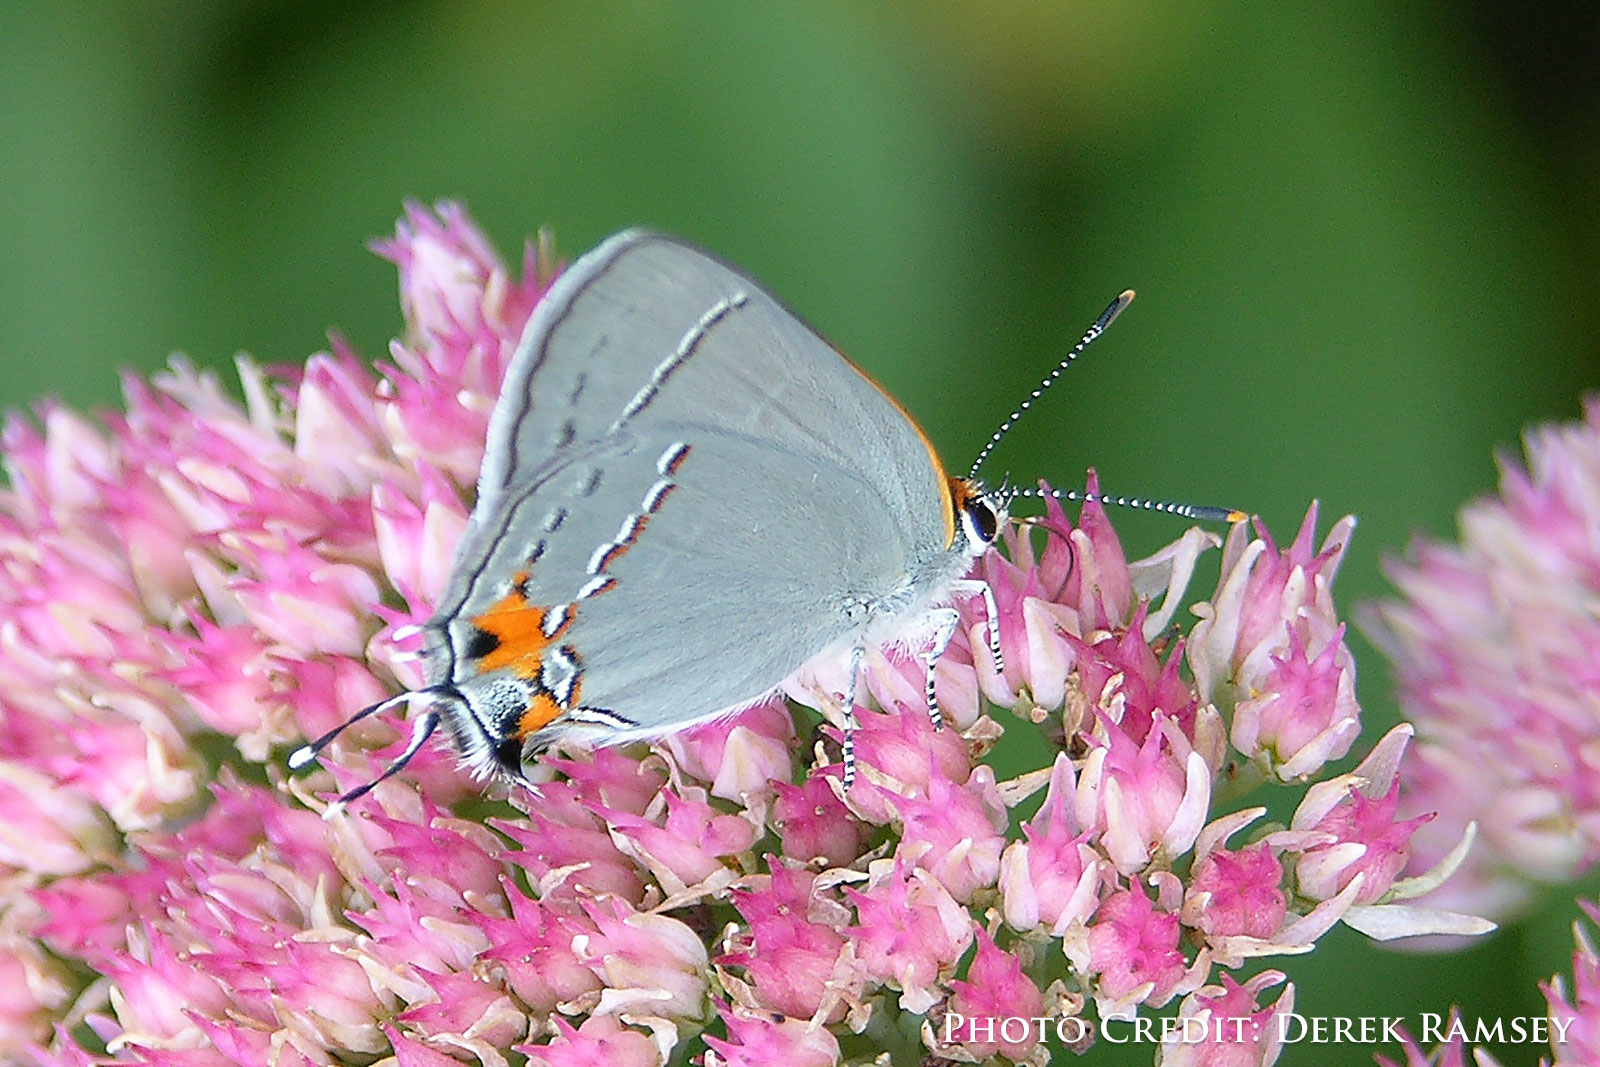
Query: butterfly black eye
[{"x": 981, "y": 521}]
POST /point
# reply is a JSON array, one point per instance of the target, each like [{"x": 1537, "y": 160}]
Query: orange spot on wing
[
  {"x": 542, "y": 710},
  {"x": 518, "y": 629}
]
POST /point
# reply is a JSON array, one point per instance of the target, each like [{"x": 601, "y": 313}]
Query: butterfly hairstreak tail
[{"x": 686, "y": 495}]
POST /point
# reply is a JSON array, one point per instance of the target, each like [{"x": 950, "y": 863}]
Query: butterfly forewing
[{"x": 686, "y": 494}]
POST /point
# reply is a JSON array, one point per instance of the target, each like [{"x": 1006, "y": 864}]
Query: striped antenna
[
  {"x": 306, "y": 753},
  {"x": 1106, "y": 318},
  {"x": 421, "y": 730},
  {"x": 1197, "y": 512}
]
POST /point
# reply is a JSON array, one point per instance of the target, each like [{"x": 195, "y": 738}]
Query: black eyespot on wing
[{"x": 480, "y": 644}]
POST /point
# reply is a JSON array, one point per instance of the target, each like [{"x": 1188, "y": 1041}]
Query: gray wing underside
[
  {"x": 720, "y": 596},
  {"x": 621, "y": 314},
  {"x": 803, "y": 486},
  {"x": 723, "y": 602}
]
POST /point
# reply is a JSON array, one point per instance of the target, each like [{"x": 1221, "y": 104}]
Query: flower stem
[{"x": 1237, "y": 780}]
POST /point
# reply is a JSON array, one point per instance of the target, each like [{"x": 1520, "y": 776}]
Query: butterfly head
[{"x": 980, "y": 514}]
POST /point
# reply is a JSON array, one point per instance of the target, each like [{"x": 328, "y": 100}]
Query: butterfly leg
[
  {"x": 948, "y": 620},
  {"x": 991, "y": 611},
  {"x": 851, "y": 725}
]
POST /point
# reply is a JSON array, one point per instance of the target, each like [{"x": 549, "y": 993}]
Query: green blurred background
[{"x": 1364, "y": 236}]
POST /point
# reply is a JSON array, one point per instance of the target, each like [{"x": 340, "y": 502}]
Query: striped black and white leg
[
  {"x": 944, "y": 630},
  {"x": 948, "y": 620},
  {"x": 851, "y": 725},
  {"x": 991, "y": 611}
]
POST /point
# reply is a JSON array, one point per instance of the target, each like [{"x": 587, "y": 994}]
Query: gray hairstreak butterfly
[{"x": 686, "y": 495}]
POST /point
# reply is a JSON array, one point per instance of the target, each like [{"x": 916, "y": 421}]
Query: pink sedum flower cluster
[
  {"x": 197, "y": 584},
  {"x": 1495, "y": 642},
  {"x": 1571, "y": 1024},
  {"x": 1575, "y": 1008}
]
